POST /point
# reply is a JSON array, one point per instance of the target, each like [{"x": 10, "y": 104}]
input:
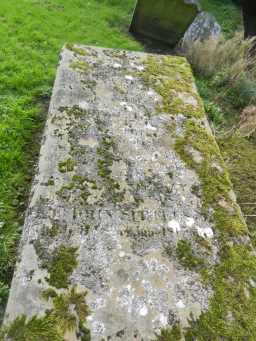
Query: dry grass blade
[{"x": 232, "y": 56}]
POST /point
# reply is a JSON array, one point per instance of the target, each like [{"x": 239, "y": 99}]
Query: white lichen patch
[
  {"x": 117, "y": 66},
  {"x": 129, "y": 77},
  {"x": 190, "y": 221},
  {"x": 180, "y": 305},
  {"x": 206, "y": 232},
  {"x": 174, "y": 225}
]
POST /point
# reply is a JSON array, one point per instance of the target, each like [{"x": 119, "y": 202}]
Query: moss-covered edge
[
  {"x": 233, "y": 305},
  {"x": 69, "y": 309},
  {"x": 69, "y": 312}
]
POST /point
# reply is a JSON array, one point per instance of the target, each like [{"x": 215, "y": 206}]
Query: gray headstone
[
  {"x": 164, "y": 20},
  {"x": 203, "y": 27}
]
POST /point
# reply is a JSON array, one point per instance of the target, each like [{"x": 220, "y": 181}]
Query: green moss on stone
[
  {"x": 61, "y": 266},
  {"x": 171, "y": 77},
  {"x": 50, "y": 182},
  {"x": 216, "y": 185},
  {"x": 75, "y": 49},
  {"x": 173, "y": 334},
  {"x": 49, "y": 293},
  {"x": 104, "y": 163},
  {"x": 54, "y": 230},
  {"x": 187, "y": 256},
  {"x": 69, "y": 313},
  {"x": 75, "y": 111},
  {"x": 80, "y": 65},
  {"x": 35, "y": 329},
  {"x": 66, "y": 165}
]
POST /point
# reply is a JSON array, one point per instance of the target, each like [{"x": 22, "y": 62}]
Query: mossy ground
[{"x": 32, "y": 34}]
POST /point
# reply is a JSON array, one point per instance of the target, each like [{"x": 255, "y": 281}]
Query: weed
[{"x": 173, "y": 334}]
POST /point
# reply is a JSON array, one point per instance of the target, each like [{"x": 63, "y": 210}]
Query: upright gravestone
[
  {"x": 203, "y": 27},
  {"x": 164, "y": 20}
]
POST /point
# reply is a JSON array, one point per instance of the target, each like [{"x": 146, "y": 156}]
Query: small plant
[
  {"x": 35, "y": 329},
  {"x": 173, "y": 334},
  {"x": 214, "y": 112}
]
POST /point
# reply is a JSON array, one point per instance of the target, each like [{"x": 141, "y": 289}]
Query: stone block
[
  {"x": 116, "y": 208},
  {"x": 164, "y": 20}
]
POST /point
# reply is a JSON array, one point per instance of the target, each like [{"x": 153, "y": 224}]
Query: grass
[
  {"x": 239, "y": 154},
  {"x": 225, "y": 100},
  {"x": 233, "y": 304},
  {"x": 32, "y": 32}
]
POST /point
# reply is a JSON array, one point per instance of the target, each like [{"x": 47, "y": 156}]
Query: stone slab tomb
[
  {"x": 163, "y": 20},
  {"x": 112, "y": 229}
]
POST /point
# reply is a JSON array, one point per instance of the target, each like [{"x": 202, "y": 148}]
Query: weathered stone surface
[
  {"x": 164, "y": 20},
  {"x": 203, "y": 27},
  {"x": 111, "y": 184}
]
